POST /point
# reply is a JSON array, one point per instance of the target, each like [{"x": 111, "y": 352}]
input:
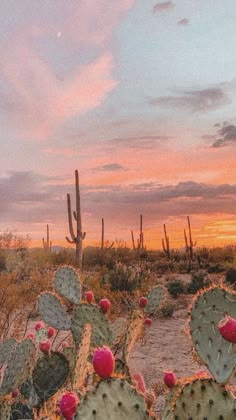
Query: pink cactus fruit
[
  {"x": 31, "y": 336},
  {"x": 149, "y": 399},
  {"x": 45, "y": 346},
  {"x": 103, "y": 362},
  {"x": 89, "y": 296},
  {"x": 65, "y": 344},
  {"x": 148, "y": 321},
  {"x": 105, "y": 305},
  {"x": 39, "y": 325},
  {"x": 68, "y": 405},
  {"x": 143, "y": 302},
  {"x": 15, "y": 393},
  {"x": 139, "y": 383},
  {"x": 170, "y": 379},
  {"x": 51, "y": 332},
  {"x": 227, "y": 328}
]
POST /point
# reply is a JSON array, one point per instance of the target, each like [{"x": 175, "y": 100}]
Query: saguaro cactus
[
  {"x": 47, "y": 245},
  {"x": 189, "y": 244},
  {"x": 77, "y": 238},
  {"x": 166, "y": 243}
]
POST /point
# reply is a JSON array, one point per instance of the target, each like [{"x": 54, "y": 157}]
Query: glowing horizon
[{"x": 139, "y": 97}]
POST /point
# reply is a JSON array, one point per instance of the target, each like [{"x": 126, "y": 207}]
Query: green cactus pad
[
  {"x": 204, "y": 399},
  {"x": 112, "y": 399},
  {"x": 118, "y": 328},
  {"x": 49, "y": 374},
  {"x": 52, "y": 312},
  {"x": 28, "y": 391},
  {"x": 155, "y": 299},
  {"x": 81, "y": 365},
  {"x": 67, "y": 284},
  {"x": 90, "y": 314},
  {"x": 134, "y": 331},
  {"x": 20, "y": 411},
  {"x": 18, "y": 366},
  {"x": 70, "y": 354},
  {"x": 218, "y": 354},
  {"x": 6, "y": 348},
  {"x": 5, "y": 410}
]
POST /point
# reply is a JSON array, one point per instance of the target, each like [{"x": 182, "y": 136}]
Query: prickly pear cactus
[
  {"x": 112, "y": 399},
  {"x": 204, "y": 399},
  {"x": 90, "y": 314},
  {"x": 67, "y": 284},
  {"x": 70, "y": 354},
  {"x": 155, "y": 299},
  {"x": 49, "y": 374},
  {"x": 134, "y": 331},
  {"x": 52, "y": 312},
  {"x": 218, "y": 354},
  {"x": 6, "y": 348},
  {"x": 18, "y": 366},
  {"x": 118, "y": 328},
  {"x": 122, "y": 368},
  {"x": 20, "y": 411},
  {"x": 81, "y": 364},
  {"x": 5, "y": 410}
]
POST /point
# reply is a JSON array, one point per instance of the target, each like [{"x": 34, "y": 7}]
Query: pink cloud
[
  {"x": 37, "y": 99},
  {"x": 183, "y": 22},
  {"x": 160, "y": 7}
]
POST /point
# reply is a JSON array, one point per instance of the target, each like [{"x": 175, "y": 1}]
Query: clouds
[
  {"x": 28, "y": 197},
  {"x": 40, "y": 91},
  {"x": 183, "y": 22},
  {"x": 160, "y": 7},
  {"x": 139, "y": 142},
  {"x": 110, "y": 167},
  {"x": 194, "y": 100},
  {"x": 226, "y": 135}
]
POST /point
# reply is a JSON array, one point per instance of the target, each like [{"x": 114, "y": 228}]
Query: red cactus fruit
[
  {"x": 89, "y": 296},
  {"x": 104, "y": 362},
  {"x": 149, "y": 399},
  {"x": 105, "y": 305},
  {"x": 227, "y": 328},
  {"x": 139, "y": 383},
  {"x": 148, "y": 321},
  {"x": 51, "y": 331},
  {"x": 31, "y": 336},
  {"x": 65, "y": 344},
  {"x": 15, "y": 393},
  {"x": 39, "y": 325},
  {"x": 68, "y": 405},
  {"x": 45, "y": 346},
  {"x": 143, "y": 302},
  {"x": 170, "y": 379}
]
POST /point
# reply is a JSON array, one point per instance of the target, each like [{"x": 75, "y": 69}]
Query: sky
[{"x": 139, "y": 96}]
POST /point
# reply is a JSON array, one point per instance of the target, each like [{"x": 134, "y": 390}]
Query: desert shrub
[
  {"x": 199, "y": 280},
  {"x": 167, "y": 310},
  {"x": 124, "y": 277},
  {"x": 230, "y": 276},
  {"x": 176, "y": 288}
]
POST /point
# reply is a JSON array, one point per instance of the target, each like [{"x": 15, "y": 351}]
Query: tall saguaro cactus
[
  {"x": 47, "y": 245},
  {"x": 77, "y": 238}
]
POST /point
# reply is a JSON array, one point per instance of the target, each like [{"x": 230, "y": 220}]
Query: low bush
[
  {"x": 176, "y": 288},
  {"x": 199, "y": 281}
]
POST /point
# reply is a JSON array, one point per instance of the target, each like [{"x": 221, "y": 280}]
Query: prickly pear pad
[
  {"x": 81, "y": 364},
  {"x": 6, "y": 348},
  {"x": 204, "y": 399},
  {"x": 49, "y": 374},
  {"x": 112, "y": 399},
  {"x": 91, "y": 314},
  {"x": 133, "y": 333},
  {"x": 118, "y": 328},
  {"x": 155, "y": 299},
  {"x": 5, "y": 410},
  {"x": 52, "y": 312},
  {"x": 67, "y": 284},
  {"x": 218, "y": 354},
  {"x": 18, "y": 366}
]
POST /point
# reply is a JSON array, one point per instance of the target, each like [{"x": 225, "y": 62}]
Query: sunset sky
[{"x": 140, "y": 97}]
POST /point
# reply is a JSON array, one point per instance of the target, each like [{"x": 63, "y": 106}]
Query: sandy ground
[{"x": 167, "y": 346}]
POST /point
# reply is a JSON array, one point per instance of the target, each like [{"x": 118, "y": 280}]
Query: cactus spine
[{"x": 79, "y": 237}]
